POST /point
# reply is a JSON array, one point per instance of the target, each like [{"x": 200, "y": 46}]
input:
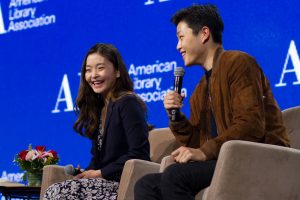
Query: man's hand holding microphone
[
  {"x": 173, "y": 100},
  {"x": 173, "y": 103}
]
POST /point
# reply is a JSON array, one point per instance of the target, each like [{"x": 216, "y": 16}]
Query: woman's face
[{"x": 100, "y": 74}]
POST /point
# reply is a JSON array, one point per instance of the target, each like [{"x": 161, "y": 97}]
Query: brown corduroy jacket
[{"x": 242, "y": 102}]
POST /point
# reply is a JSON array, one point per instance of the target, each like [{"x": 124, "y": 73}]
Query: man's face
[{"x": 189, "y": 45}]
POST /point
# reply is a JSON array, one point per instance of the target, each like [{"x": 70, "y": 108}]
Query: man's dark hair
[{"x": 198, "y": 16}]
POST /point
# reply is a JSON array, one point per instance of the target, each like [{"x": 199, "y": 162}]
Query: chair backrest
[
  {"x": 291, "y": 119},
  {"x": 162, "y": 143}
]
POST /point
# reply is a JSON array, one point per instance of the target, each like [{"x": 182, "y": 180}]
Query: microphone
[
  {"x": 178, "y": 76},
  {"x": 70, "y": 170}
]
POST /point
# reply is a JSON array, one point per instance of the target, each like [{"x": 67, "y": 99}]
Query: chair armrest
[
  {"x": 248, "y": 170},
  {"x": 52, "y": 174},
  {"x": 133, "y": 170},
  {"x": 165, "y": 162}
]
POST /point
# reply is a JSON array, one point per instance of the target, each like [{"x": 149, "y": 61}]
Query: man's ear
[{"x": 205, "y": 34}]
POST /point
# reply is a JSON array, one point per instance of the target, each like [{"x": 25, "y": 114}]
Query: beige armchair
[
  {"x": 162, "y": 143},
  {"x": 254, "y": 171}
]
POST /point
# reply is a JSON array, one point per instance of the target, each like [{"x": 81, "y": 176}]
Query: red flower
[
  {"x": 53, "y": 153},
  {"x": 33, "y": 160},
  {"x": 40, "y": 148},
  {"x": 23, "y": 154}
]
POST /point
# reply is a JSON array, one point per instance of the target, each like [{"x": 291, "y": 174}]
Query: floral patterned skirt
[{"x": 92, "y": 188}]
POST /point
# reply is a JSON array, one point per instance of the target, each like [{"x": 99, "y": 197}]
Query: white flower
[{"x": 31, "y": 155}]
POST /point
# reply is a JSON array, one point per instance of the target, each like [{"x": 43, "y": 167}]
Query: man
[{"x": 233, "y": 101}]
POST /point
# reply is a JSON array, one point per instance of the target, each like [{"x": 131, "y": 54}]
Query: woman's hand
[{"x": 89, "y": 174}]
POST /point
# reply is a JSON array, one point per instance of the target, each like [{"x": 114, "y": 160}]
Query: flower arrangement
[{"x": 33, "y": 160}]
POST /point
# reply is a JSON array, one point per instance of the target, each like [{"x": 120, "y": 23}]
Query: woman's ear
[{"x": 117, "y": 73}]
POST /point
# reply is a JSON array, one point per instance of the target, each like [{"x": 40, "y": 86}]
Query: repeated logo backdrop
[{"x": 43, "y": 43}]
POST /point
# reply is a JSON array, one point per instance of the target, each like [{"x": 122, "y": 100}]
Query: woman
[{"x": 113, "y": 117}]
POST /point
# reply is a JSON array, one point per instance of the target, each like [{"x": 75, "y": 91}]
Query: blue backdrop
[{"x": 43, "y": 43}]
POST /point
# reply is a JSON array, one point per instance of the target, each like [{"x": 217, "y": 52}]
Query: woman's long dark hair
[{"x": 88, "y": 104}]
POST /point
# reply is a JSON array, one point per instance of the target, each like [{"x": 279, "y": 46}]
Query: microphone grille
[
  {"x": 69, "y": 170},
  {"x": 179, "y": 71}
]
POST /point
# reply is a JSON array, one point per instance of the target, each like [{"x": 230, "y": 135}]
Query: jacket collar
[{"x": 219, "y": 51}]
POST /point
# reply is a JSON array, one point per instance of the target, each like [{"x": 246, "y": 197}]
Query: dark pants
[{"x": 178, "y": 181}]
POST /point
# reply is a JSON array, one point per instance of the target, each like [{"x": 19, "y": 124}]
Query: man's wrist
[{"x": 179, "y": 116}]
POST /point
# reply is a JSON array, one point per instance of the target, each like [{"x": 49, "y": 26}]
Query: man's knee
[
  {"x": 140, "y": 184},
  {"x": 144, "y": 183},
  {"x": 172, "y": 174}
]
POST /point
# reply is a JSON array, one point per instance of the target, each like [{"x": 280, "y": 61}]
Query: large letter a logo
[{"x": 2, "y": 29}]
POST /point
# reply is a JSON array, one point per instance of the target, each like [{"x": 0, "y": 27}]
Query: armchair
[
  {"x": 248, "y": 170},
  {"x": 162, "y": 143}
]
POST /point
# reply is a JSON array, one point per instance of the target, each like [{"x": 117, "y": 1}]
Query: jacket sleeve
[
  {"x": 244, "y": 78},
  {"x": 92, "y": 161},
  {"x": 184, "y": 131},
  {"x": 136, "y": 130},
  {"x": 189, "y": 131}
]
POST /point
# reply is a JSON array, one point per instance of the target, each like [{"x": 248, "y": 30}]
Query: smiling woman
[
  {"x": 100, "y": 74},
  {"x": 114, "y": 118}
]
